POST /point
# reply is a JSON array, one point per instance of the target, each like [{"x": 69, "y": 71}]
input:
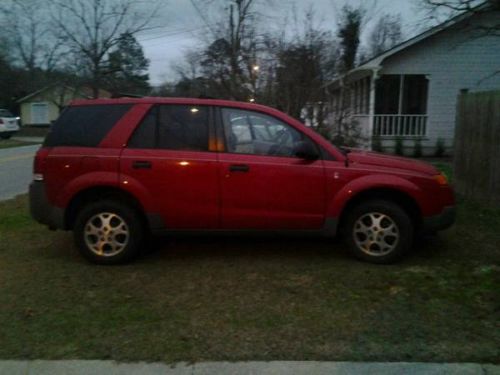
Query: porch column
[{"x": 371, "y": 106}]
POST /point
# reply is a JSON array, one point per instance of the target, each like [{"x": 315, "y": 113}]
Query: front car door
[
  {"x": 168, "y": 159},
  {"x": 263, "y": 184}
]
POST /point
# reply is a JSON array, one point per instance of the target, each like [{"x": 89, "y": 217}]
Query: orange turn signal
[{"x": 441, "y": 179}]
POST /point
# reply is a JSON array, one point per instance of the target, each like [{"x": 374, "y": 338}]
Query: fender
[
  {"x": 361, "y": 184},
  {"x": 83, "y": 182},
  {"x": 107, "y": 179}
]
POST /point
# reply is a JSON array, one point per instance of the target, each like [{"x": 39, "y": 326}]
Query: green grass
[
  {"x": 251, "y": 299},
  {"x": 8, "y": 143}
]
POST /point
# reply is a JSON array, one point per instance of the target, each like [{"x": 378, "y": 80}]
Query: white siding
[{"x": 453, "y": 60}]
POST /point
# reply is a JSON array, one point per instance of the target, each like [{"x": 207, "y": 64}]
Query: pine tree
[{"x": 128, "y": 68}]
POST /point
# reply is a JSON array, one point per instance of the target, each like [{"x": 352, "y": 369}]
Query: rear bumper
[
  {"x": 41, "y": 210},
  {"x": 442, "y": 221}
]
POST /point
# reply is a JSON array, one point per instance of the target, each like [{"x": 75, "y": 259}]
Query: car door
[
  {"x": 168, "y": 159},
  {"x": 263, "y": 184}
]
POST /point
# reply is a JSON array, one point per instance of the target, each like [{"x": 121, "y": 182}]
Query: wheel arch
[
  {"x": 91, "y": 194},
  {"x": 407, "y": 202}
]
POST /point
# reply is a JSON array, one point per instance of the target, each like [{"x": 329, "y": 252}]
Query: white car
[{"x": 9, "y": 124}]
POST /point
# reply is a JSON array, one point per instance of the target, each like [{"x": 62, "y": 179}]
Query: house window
[
  {"x": 414, "y": 101},
  {"x": 387, "y": 95},
  {"x": 401, "y": 94}
]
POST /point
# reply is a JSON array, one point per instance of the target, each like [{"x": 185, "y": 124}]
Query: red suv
[{"x": 116, "y": 170}]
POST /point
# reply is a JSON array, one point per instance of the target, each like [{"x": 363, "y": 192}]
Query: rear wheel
[
  {"x": 108, "y": 232},
  {"x": 379, "y": 231}
]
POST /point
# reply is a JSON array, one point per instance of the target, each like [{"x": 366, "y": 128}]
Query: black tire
[
  {"x": 134, "y": 226},
  {"x": 5, "y": 136},
  {"x": 397, "y": 241}
]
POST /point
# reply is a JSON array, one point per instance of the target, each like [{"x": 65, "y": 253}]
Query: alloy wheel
[
  {"x": 376, "y": 234},
  {"x": 106, "y": 234}
]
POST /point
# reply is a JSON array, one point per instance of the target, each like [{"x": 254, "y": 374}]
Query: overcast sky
[{"x": 184, "y": 26}]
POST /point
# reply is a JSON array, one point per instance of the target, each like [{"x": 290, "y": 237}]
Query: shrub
[
  {"x": 440, "y": 147},
  {"x": 348, "y": 133},
  {"x": 377, "y": 144},
  {"x": 398, "y": 147},
  {"x": 417, "y": 149}
]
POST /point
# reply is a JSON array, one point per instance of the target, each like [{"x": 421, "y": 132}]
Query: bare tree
[
  {"x": 386, "y": 33},
  {"x": 305, "y": 63},
  {"x": 230, "y": 58},
  {"x": 27, "y": 28},
  {"x": 451, "y": 8},
  {"x": 92, "y": 28},
  {"x": 189, "y": 67}
]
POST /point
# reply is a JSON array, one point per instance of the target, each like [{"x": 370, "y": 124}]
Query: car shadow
[{"x": 244, "y": 246}]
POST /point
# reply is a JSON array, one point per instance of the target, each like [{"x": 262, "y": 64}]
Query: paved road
[{"x": 16, "y": 170}]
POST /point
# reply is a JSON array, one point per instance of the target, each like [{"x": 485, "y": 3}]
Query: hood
[{"x": 390, "y": 161}]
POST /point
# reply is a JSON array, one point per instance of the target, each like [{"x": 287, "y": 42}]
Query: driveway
[{"x": 16, "y": 170}]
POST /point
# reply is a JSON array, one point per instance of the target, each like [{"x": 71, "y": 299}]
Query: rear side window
[
  {"x": 85, "y": 126},
  {"x": 173, "y": 127}
]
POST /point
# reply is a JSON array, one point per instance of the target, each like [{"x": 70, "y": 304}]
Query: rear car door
[
  {"x": 169, "y": 161},
  {"x": 263, "y": 184}
]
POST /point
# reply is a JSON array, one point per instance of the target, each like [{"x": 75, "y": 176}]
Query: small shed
[{"x": 43, "y": 106}]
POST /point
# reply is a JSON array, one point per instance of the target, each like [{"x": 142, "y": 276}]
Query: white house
[{"x": 411, "y": 90}]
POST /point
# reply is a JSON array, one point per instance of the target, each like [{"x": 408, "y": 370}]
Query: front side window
[
  {"x": 255, "y": 133},
  {"x": 173, "y": 127}
]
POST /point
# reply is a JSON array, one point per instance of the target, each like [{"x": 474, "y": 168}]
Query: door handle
[
  {"x": 239, "y": 168},
  {"x": 141, "y": 164}
]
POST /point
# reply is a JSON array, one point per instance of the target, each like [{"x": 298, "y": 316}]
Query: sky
[{"x": 184, "y": 27}]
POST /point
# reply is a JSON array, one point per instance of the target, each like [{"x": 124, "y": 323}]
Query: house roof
[
  {"x": 376, "y": 61},
  {"x": 84, "y": 91}
]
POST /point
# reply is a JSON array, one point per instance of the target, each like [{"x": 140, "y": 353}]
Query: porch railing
[{"x": 400, "y": 125}]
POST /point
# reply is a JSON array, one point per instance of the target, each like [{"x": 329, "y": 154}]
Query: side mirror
[{"x": 305, "y": 150}]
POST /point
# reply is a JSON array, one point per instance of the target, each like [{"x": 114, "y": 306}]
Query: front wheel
[
  {"x": 379, "y": 231},
  {"x": 5, "y": 135},
  {"x": 108, "y": 232}
]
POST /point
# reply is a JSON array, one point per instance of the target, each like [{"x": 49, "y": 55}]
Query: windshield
[{"x": 5, "y": 113}]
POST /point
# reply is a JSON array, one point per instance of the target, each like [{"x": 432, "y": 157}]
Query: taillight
[{"x": 39, "y": 164}]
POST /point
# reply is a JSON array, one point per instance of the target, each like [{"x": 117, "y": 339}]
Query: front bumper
[
  {"x": 41, "y": 210},
  {"x": 442, "y": 221}
]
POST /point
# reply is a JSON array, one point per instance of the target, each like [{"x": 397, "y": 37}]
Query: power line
[
  {"x": 202, "y": 16},
  {"x": 174, "y": 33}
]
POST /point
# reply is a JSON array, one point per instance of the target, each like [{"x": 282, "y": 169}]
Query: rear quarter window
[{"x": 85, "y": 126}]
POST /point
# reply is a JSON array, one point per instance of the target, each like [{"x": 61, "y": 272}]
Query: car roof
[{"x": 164, "y": 100}]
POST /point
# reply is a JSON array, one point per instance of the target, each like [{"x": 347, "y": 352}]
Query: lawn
[
  {"x": 259, "y": 299},
  {"x": 8, "y": 143}
]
